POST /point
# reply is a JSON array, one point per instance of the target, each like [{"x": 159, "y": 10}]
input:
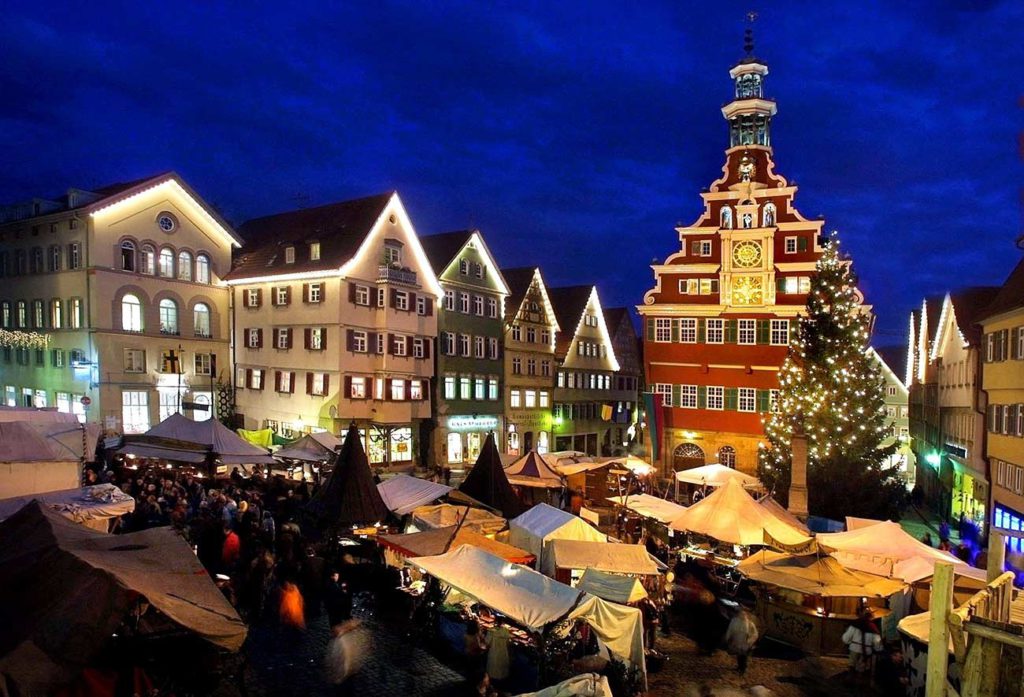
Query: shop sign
[
  {"x": 530, "y": 420},
  {"x": 473, "y": 423}
]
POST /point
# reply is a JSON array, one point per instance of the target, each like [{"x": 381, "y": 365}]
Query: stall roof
[
  {"x": 716, "y": 475},
  {"x": 775, "y": 508},
  {"x": 178, "y": 432},
  {"x": 731, "y": 515},
  {"x": 97, "y": 502},
  {"x": 533, "y": 471},
  {"x": 613, "y": 587},
  {"x": 312, "y": 447},
  {"x": 403, "y": 494},
  {"x": 193, "y": 457},
  {"x": 815, "y": 575},
  {"x": 648, "y": 506},
  {"x": 19, "y": 442},
  {"x": 604, "y": 556},
  {"x": 444, "y": 515},
  {"x": 56, "y": 573},
  {"x": 542, "y": 523},
  {"x": 488, "y": 483},
  {"x": 349, "y": 495},
  {"x": 439, "y": 540}
]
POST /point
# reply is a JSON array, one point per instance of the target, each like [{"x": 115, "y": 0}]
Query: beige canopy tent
[
  {"x": 634, "y": 464},
  {"x": 775, "y": 508},
  {"x": 31, "y": 461},
  {"x": 531, "y": 470},
  {"x": 535, "y": 601},
  {"x": 93, "y": 506},
  {"x": 648, "y": 506},
  {"x": 603, "y": 556},
  {"x": 445, "y": 515},
  {"x": 715, "y": 475},
  {"x": 585, "y": 685},
  {"x": 615, "y": 588},
  {"x": 438, "y": 541},
  {"x": 312, "y": 447},
  {"x": 811, "y": 574},
  {"x": 403, "y": 494},
  {"x": 67, "y": 588},
  {"x": 179, "y": 438},
  {"x": 536, "y": 528},
  {"x": 731, "y": 515}
]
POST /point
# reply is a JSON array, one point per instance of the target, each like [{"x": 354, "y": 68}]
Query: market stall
[
  {"x": 809, "y": 600},
  {"x": 304, "y": 458},
  {"x": 613, "y": 587},
  {"x": 403, "y": 494},
  {"x": 695, "y": 483},
  {"x": 348, "y": 497},
  {"x": 31, "y": 461},
  {"x": 535, "y": 479},
  {"x": 92, "y": 506},
  {"x": 570, "y": 558},
  {"x": 445, "y": 515},
  {"x": 428, "y": 543},
  {"x": 535, "y": 529},
  {"x": 651, "y": 507}
]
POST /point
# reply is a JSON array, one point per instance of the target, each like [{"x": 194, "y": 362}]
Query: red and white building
[{"x": 718, "y": 320}]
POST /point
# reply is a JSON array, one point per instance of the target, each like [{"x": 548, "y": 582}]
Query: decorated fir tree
[{"x": 833, "y": 392}]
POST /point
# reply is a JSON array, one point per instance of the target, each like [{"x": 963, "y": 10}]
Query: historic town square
[{"x": 436, "y": 348}]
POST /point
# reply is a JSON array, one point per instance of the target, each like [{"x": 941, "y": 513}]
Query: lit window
[
  {"x": 665, "y": 390},
  {"x": 492, "y": 389},
  {"x": 318, "y": 384},
  {"x": 314, "y": 251},
  {"x": 284, "y": 381},
  {"x": 415, "y": 389},
  {"x": 358, "y": 388},
  {"x": 716, "y": 398},
  {"x": 56, "y": 314},
  {"x": 256, "y": 379},
  {"x": 202, "y": 269},
  {"x": 134, "y": 361},
  {"x": 201, "y": 319},
  {"x": 515, "y": 399},
  {"x": 688, "y": 396},
  {"x": 184, "y": 266},
  {"x": 531, "y": 399},
  {"x": 166, "y": 263},
  {"x": 168, "y": 316},
  {"x": 134, "y": 411},
  {"x": 545, "y": 399},
  {"x": 465, "y": 388},
  {"x": 449, "y": 387},
  {"x": 131, "y": 314},
  {"x": 479, "y": 389},
  {"x": 147, "y": 260},
  {"x": 289, "y": 255}
]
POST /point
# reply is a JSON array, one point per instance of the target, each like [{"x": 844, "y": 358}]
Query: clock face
[
  {"x": 746, "y": 254},
  {"x": 746, "y": 290}
]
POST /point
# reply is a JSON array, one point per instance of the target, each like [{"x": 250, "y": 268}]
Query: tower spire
[
  {"x": 748, "y": 34},
  {"x": 749, "y": 113}
]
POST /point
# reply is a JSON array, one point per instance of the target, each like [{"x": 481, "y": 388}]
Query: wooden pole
[
  {"x": 996, "y": 555},
  {"x": 940, "y": 605}
]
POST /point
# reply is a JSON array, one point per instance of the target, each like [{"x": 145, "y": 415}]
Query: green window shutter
[
  {"x": 801, "y": 244},
  {"x": 731, "y": 397},
  {"x": 700, "y": 331},
  {"x": 764, "y": 400},
  {"x": 650, "y": 329},
  {"x": 675, "y": 331},
  {"x": 764, "y": 331},
  {"x": 677, "y": 395},
  {"x": 730, "y": 331},
  {"x": 702, "y": 397},
  {"x": 714, "y": 286},
  {"x": 780, "y": 285}
]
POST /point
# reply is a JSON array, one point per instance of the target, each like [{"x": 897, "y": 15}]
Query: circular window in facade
[
  {"x": 746, "y": 254},
  {"x": 167, "y": 222}
]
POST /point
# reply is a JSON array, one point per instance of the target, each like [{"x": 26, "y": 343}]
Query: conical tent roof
[
  {"x": 814, "y": 574},
  {"x": 532, "y": 470},
  {"x": 488, "y": 484},
  {"x": 210, "y": 435},
  {"x": 312, "y": 447},
  {"x": 349, "y": 497}
]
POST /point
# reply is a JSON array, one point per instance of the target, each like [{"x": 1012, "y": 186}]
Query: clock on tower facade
[{"x": 719, "y": 317}]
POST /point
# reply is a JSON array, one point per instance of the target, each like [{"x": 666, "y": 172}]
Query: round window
[{"x": 166, "y": 222}]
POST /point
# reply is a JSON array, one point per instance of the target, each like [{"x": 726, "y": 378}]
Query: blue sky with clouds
[{"x": 574, "y": 135}]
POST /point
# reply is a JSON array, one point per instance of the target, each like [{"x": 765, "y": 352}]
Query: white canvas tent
[
  {"x": 612, "y": 587},
  {"x": 532, "y": 470},
  {"x": 36, "y": 455},
  {"x": 732, "y": 516},
  {"x": 535, "y": 601},
  {"x": 444, "y": 515},
  {"x": 312, "y": 447},
  {"x": 614, "y": 557},
  {"x": 648, "y": 506},
  {"x": 403, "y": 494},
  {"x": 534, "y": 529},
  {"x": 181, "y": 439},
  {"x": 775, "y": 508},
  {"x": 715, "y": 475},
  {"x": 92, "y": 506},
  {"x": 585, "y": 685},
  {"x": 886, "y": 549}
]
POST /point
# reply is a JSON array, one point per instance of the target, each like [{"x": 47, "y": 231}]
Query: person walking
[
  {"x": 337, "y": 600},
  {"x": 741, "y": 637},
  {"x": 863, "y": 641}
]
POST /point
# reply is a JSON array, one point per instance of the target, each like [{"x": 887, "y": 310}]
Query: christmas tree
[{"x": 832, "y": 391}]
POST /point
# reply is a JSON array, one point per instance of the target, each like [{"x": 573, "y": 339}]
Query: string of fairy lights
[{"x": 23, "y": 340}]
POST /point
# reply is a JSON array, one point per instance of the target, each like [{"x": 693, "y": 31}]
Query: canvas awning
[
  {"x": 775, "y": 508},
  {"x": 179, "y": 438},
  {"x": 67, "y": 588},
  {"x": 634, "y": 464},
  {"x": 731, "y": 515},
  {"x": 615, "y": 588},
  {"x": 88, "y": 505},
  {"x": 648, "y": 506},
  {"x": 531, "y": 470},
  {"x": 445, "y": 515},
  {"x": 192, "y": 457},
  {"x": 312, "y": 447},
  {"x": 604, "y": 556},
  {"x": 716, "y": 475},
  {"x": 438, "y": 541},
  {"x": 403, "y": 494},
  {"x": 812, "y": 574},
  {"x": 534, "y": 529}
]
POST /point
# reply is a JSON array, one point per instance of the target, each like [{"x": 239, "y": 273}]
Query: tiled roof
[
  {"x": 895, "y": 357},
  {"x": 1010, "y": 295},
  {"x": 614, "y": 317},
  {"x": 442, "y": 248},
  {"x": 569, "y": 304},
  {"x": 339, "y": 228}
]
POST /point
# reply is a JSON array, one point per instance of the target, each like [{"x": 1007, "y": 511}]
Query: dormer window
[
  {"x": 314, "y": 251},
  {"x": 392, "y": 254},
  {"x": 289, "y": 255}
]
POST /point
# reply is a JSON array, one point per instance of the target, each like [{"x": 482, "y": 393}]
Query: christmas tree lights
[{"x": 833, "y": 392}]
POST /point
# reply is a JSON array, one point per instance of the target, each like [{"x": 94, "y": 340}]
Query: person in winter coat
[{"x": 740, "y": 637}]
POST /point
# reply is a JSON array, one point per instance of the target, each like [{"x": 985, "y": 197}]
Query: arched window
[
  {"x": 166, "y": 263},
  {"x": 168, "y": 316},
  {"x": 185, "y": 266},
  {"x": 202, "y": 269},
  {"x": 769, "y": 215},
  {"x": 127, "y": 256},
  {"x": 201, "y": 319},
  {"x": 726, "y": 218},
  {"x": 131, "y": 313},
  {"x": 727, "y": 456},
  {"x": 147, "y": 259}
]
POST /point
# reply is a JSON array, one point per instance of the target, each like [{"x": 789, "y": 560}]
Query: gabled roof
[
  {"x": 569, "y": 304},
  {"x": 1010, "y": 295},
  {"x": 967, "y": 305},
  {"x": 615, "y": 317},
  {"x": 442, "y": 248},
  {"x": 895, "y": 359},
  {"x": 518, "y": 281},
  {"x": 340, "y": 228}
]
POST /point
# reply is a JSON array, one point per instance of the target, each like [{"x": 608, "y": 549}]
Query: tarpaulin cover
[
  {"x": 775, "y": 508},
  {"x": 210, "y": 435},
  {"x": 438, "y": 541},
  {"x": 619, "y": 627},
  {"x": 531, "y": 470},
  {"x": 716, "y": 475},
  {"x": 648, "y": 506},
  {"x": 20, "y": 442},
  {"x": 731, "y": 515},
  {"x": 445, "y": 515},
  {"x": 99, "y": 502},
  {"x": 613, "y": 587},
  {"x": 488, "y": 484},
  {"x": 534, "y": 529},
  {"x": 312, "y": 447},
  {"x": 811, "y": 574},
  {"x": 604, "y": 556},
  {"x": 349, "y": 497},
  {"x": 67, "y": 588},
  {"x": 403, "y": 494},
  {"x": 193, "y": 457},
  {"x": 263, "y": 438},
  {"x": 887, "y": 549},
  {"x": 585, "y": 685}
]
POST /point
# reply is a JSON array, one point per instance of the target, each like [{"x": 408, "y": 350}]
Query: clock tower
[{"x": 719, "y": 317}]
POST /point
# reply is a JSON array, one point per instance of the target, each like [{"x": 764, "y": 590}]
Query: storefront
[
  {"x": 526, "y": 431},
  {"x": 464, "y": 437},
  {"x": 388, "y": 444}
]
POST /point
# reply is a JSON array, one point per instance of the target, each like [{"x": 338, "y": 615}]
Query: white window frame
[
  {"x": 357, "y": 387},
  {"x": 317, "y": 387},
  {"x": 314, "y": 251},
  {"x": 779, "y": 332},
  {"x": 252, "y": 338},
  {"x": 362, "y": 295},
  {"x": 492, "y": 307},
  {"x": 530, "y": 399},
  {"x": 492, "y": 389},
  {"x": 281, "y": 339},
  {"x": 746, "y": 332},
  {"x": 449, "y": 300},
  {"x": 417, "y": 348},
  {"x": 662, "y": 330},
  {"x": 313, "y": 295},
  {"x": 478, "y": 305},
  {"x": 688, "y": 396},
  {"x": 746, "y": 400},
  {"x": 705, "y": 248},
  {"x": 134, "y": 360},
  {"x": 449, "y": 387},
  {"x": 284, "y": 385},
  {"x": 715, "y": 398},
  {"x": 449, "y": 344},
  {"x": 401, "y": 346},
  {"x": 665, "y": 390},
  {"x": 465, "y": 387},
  {"x": 252, "y": 297},
  {"x": 688, "y": 330},
  {"x": 421, "y": 305},
  {"x": 479, "y": 389},
  {"x": 401, "y": 300},
  {"x": 714, "y": 327},
  {"x": 464, "y": 303},
  {"x": 465, "y": 346},
  {"x": 515, "y": 399},
  {"x": 360, "y": 343},
  {"x": 492, "y": 348},
  {"x": 790, "y": 245},
  {"x": 203, "y": 363},
  {"x": 479, "y": 348},
  {"x": 289, "y": 254}
]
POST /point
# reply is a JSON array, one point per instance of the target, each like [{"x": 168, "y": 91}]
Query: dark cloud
[{"x": 576, "y": 135}]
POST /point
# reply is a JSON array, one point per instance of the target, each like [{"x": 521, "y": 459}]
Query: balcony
[{"x": 393, "y": 274}]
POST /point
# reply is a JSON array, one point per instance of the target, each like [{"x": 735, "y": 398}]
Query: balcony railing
[{"x": 393, "y": 274}]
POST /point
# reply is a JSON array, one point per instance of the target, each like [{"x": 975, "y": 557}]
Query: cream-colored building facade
[{"x": 123, "y": 287}]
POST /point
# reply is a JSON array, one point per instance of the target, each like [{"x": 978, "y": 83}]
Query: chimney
[{"x": 798, "y": 476}]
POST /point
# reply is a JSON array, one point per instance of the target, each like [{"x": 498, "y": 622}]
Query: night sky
[{"x": 574, "y": 135}]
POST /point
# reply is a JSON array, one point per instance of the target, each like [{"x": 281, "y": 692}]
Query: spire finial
[{"x": 748, "y": 34}]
